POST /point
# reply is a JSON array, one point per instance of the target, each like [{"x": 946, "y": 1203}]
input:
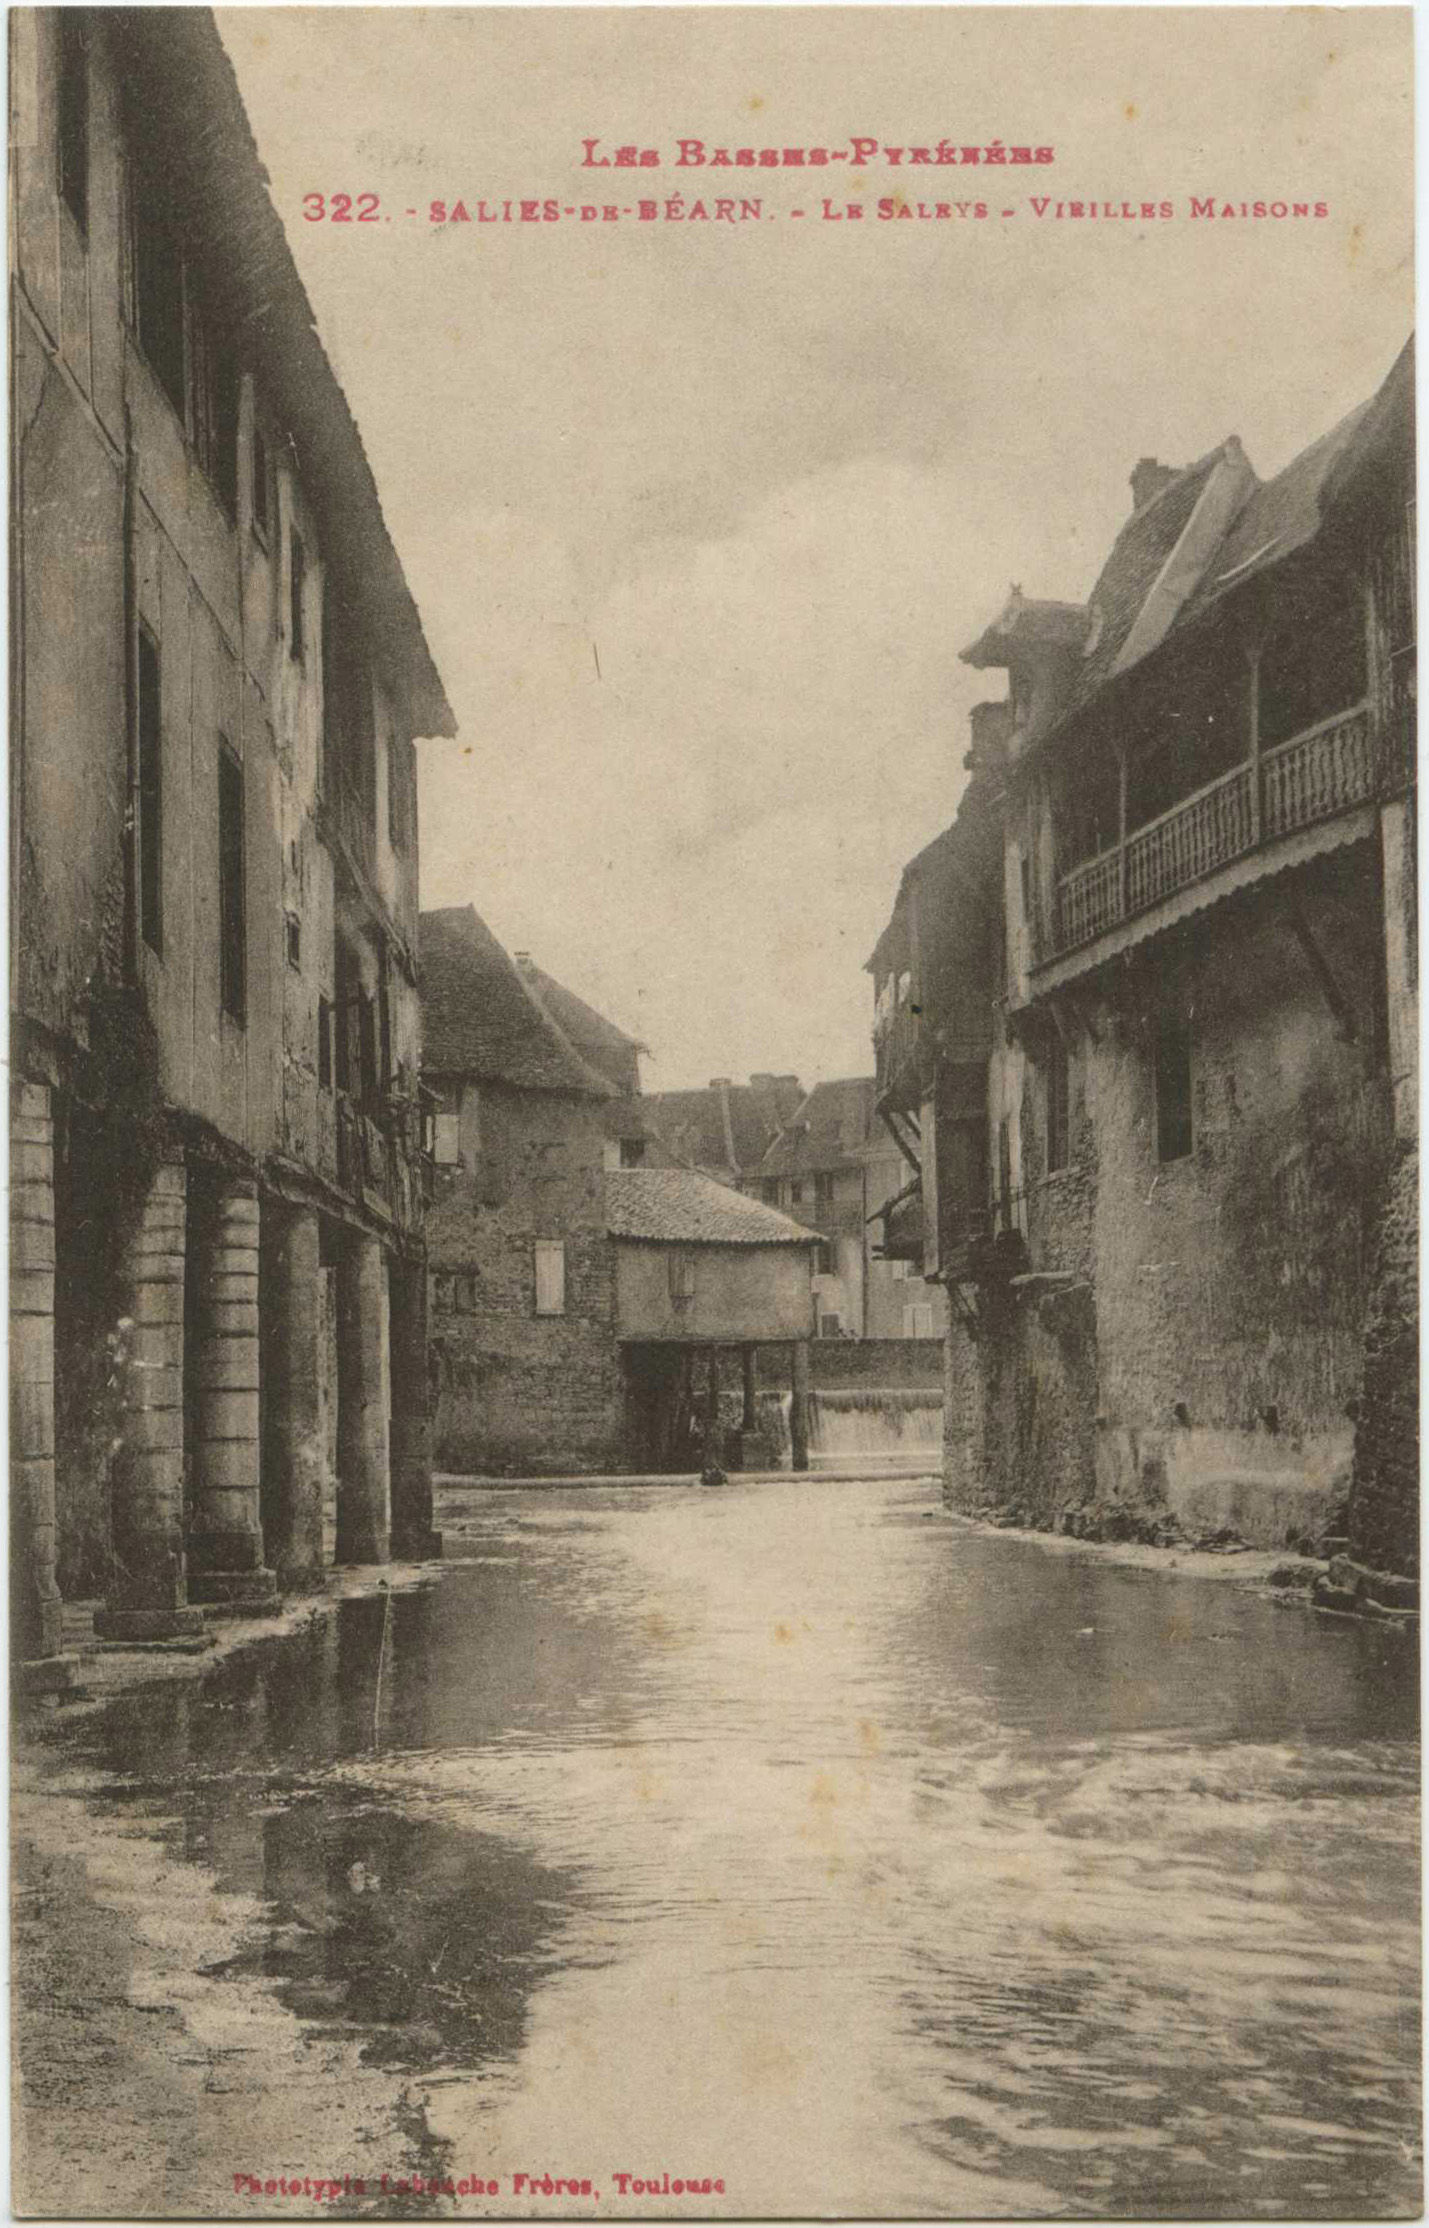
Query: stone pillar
[
  {"x": 799, "y": 1408},
  {"x": 147, "y": 1598},
  {"x": 35, "y": 1608},
  {"x": 291, "y": 1300},
  {"x": 226, "y": 1564},
  {"x": 965, "y": 1478},
  {"x": 362, "y": 1453},
  {"x": 412, "y": 1533}
]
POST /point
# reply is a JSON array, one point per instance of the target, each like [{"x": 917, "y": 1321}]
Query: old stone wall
[
  {"x": 516, "y": 1393},
  {"x": 838, "y": 1363},
  {"x": 1384, "y": 1497},
  {"x": 1185, "y": 1342}
]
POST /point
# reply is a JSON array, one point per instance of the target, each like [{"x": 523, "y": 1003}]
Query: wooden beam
[{"x": 1334, "y": 997}]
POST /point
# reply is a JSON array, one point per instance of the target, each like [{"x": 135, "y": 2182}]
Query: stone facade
[
  {"x": 218, "y": 675},
  {"x": 519, "y": 1391},
  {"x": 1170, "y": 1189}
]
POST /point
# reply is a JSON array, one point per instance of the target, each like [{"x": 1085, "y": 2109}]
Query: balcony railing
[
  {"x": 1326, "y": 770},
  {"x": 896, "y": 1050}
]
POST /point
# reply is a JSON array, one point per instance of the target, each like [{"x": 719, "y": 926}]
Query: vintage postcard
[{"x": 714, "y": 1163}]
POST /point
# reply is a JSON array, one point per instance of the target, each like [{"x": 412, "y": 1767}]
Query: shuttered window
[
  {"x": 447, "y": 1140},
  {"x": 550, "y": 1276}
]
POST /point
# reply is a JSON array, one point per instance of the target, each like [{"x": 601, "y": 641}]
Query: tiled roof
[
  {"x": 693, "y": 1123},
  {"x": 480, "y": 1020},
  {"x": 680, "y": 1206},
  {"x": 1128, "y": 576},
  {"x": 1280, "y": 516},
  {"x": 595, "y": 1038},
  {"x": 828, "y": 1132}
]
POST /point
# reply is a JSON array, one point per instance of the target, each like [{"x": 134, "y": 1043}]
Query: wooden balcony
[
  {"x": 897, "y": 1066},
  {"x": 1327, "y": 770}
]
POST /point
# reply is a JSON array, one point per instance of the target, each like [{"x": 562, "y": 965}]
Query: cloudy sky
[{"x": 699, "y": 516}]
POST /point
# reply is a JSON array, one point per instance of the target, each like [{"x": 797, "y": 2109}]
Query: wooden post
[
  {"x": 750, "y": 1420},
  {"x": 711, "y": 1445},
  {"x": 799, "y": 1408},
  {"x": 1121, "y": 863}
]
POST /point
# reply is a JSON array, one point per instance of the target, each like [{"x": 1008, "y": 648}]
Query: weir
[{"x": 871, "y": 1424}]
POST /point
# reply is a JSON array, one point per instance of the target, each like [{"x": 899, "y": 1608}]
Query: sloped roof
[
  {"x": 480, "y": 1020},
  {"x": 679, "y": 1206},
  {"x": 1022, "y": 621},
  {"x": 1128, "y": 576},
  {"x": 1281, "y": 515},
  {"x": 692, "y": 1123},
  {"x": 589, "y": 1031},
  {"x": 828, "y": 1132},
  {"x": 198, "y": 136}
]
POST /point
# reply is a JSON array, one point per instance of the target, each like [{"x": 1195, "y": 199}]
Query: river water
[{"x": 797, "y": 1836}]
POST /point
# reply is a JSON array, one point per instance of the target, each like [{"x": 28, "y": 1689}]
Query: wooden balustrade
[{"x": 1327, "y": 769}]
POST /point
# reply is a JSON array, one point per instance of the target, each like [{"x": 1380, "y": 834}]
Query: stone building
[
  {"x": 217, "y": 674},
  {"x": 525, "y": 1362},
  {"x": 835, "y": 1167},
  {"x": 571, "y": 1297},
  {"x": 1147, "y": 1021}
]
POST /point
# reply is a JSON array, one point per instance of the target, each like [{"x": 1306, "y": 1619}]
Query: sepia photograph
[{"x": 713, "y": 952}]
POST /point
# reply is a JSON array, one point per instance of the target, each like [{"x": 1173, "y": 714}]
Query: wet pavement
[{"x": 791, "y": 1835}]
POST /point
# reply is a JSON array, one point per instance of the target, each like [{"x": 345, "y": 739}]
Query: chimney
[
  {"x": 523, "y": 961},
  {"x": 1148, "y": 480},
  {"x": 719, "y": 1082}
]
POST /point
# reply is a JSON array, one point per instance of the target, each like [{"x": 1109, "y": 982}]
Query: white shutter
[
  {"x": 447, "y": 1140},
  {"x": 550, "y": 1276}
]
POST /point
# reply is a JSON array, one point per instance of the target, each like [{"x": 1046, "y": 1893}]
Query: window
[
  {"x": 823, "y": 1194},
  {"x": 769, "y": 1191},
  {"x": 297, "y": 579},
  {"x": 830, "y": 1326},
  {"x": 1058, "y": 1107},
  {"x": 213, "y": 408},
  {"x": 632, "y": 1152},
  {"x": 232, "y": 897},
  {"x": 918, "y": 1320},
  {"x": 258, "y": 474},
  {"x": 367, "y": 1043},
  {"x": 159, "y": 290},
  {"x": 150, "y": 832},
  {"x": 681, "y": 1272},
  {"x": 550, "y": 1276},
  {"x": 446, "y": 1151},
  {"x": 900, "y": 1270},
  {"x": 324, "y": 1044},
  {"x": 1173, "y": 1088},
  {"x": 825, "y": 1258},
  {"x": 796, "y": 1194},
  {"x": 293, "y": 938},
  {"x": 72, "y": 114}
]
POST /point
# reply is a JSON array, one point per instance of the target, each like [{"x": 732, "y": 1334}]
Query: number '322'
[{"x": 338, "y": 208}]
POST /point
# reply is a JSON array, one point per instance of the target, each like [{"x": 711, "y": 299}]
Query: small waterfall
[{"x": 871, "y": 1424}]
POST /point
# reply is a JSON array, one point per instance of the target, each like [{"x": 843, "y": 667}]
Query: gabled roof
[
  {"x": 595, "y": 1038},
  {"x": 197, "y": 134},
  {"x": 725, "y": 1125},
  {"x": 480, "y": 1021},
  {"x": 828, "y": 1133},
  {"x": 679, "y": 1206},
  {"x": 1025, "y": 621},
  {"x": 1281, "y": 515}
]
